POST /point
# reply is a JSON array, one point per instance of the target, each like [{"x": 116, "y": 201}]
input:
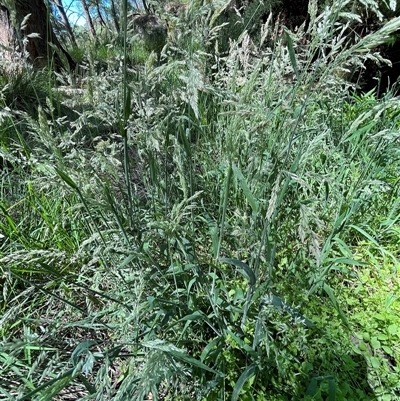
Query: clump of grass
[
  {"x": 22, "y": 87},
  {"x": 188, "y": 235}
]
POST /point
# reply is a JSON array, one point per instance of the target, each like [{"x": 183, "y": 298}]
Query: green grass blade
[
  {"x": 248, "y": 373},
  {"x": 368, "y": 236},
  {"x": 64, "y": 378},
  {"x": 328, "y": 290},
  {"x": 292, "y": 53},
  {"x": 312, "y": 387},
  {"x": 177, "y": 353},
  {"x": 245, "y": 188},
  {"x": 67, "y": 179},
  {"x": 225, "y": 199},
  {"x": 244, "y": 269},
  {"x": 331, "y": 390}
]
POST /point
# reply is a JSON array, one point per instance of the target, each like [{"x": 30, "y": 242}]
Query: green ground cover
[{"x": 197, "y": 227}]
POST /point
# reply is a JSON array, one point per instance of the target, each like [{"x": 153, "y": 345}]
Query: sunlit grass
[{"x": 203, "y": 231}]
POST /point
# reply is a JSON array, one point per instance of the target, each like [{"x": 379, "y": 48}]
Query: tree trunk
[
  {"x": 88, "y": 19},
  {"x": 114, "y": 16},
  {"x": 101, "y": 19},
  {"x": 6, "y": 30},
  {"x": 30, "y": 35},
  {"x": 65, "y": 21}
]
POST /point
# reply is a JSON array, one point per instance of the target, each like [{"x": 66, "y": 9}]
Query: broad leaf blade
[
  {"x": 243, "y": 268},
  {"x": 292, "y": 54},
  {"x": 335, "y": 303},
  {"x": 67, "y": 179},
  {"x": 245, "y": 188},
  {"x": 248, "y": 373}
]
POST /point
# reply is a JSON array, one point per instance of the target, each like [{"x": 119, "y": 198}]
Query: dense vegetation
[{"x": 202, "y": 225}]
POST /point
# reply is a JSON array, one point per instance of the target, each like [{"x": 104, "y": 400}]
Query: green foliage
[
  {"x": 22, "y": 88},
  {"x": 230, "y": 20},
  {"x": 203, "y": 228}
]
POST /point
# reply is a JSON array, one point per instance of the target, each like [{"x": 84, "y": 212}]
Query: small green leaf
[
  {"x": 393, "y": 329},
  {"x": 375, "y": 363},
  {"x": 184, "y": 136},
  {"x": 363, "y": 346},
  {"x": 359, "y": 131},
  {"x": 239, "y": 295},
  {"x": 375, "y": 344},
  {"x": 388, "y": 350}
]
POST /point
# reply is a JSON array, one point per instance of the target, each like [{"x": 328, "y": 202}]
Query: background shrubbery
[{"x": 202, "y": 225}]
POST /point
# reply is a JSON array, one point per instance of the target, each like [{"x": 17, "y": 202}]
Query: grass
[{"x": 193, "y": 229}]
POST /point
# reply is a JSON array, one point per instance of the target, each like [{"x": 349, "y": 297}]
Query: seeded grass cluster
[{"x": 206, "y": 228}]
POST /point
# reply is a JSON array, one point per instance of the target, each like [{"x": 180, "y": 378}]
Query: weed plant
[{"x": 205, "y": 228}]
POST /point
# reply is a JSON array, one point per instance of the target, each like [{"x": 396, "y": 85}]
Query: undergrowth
[{"x": 200, "y": 227}]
